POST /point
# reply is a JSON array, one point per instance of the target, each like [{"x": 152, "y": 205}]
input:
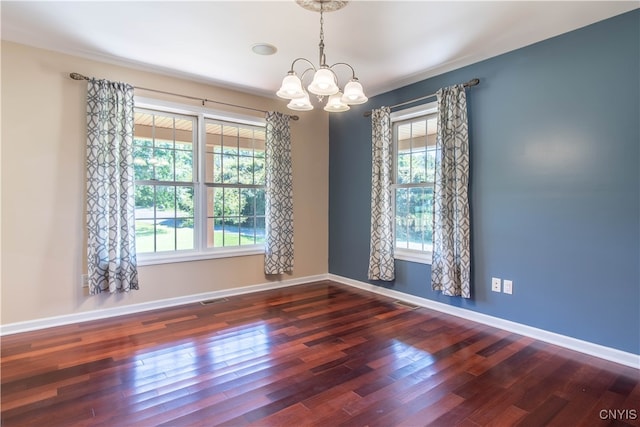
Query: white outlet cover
[{"x": 495, "y": 284}]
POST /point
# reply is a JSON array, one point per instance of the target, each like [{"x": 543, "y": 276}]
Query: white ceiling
[{"x": 389, "y": 43}]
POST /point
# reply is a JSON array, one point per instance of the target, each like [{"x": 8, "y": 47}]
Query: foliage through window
[
  {"x": 197, "y": 193},
  {"x": 414, "y": 161}
]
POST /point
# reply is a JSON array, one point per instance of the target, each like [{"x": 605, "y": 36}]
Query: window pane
[
  {"x": 210, "y": 232},
  {"x": 247, "y": 231},
  {"x": 418, "y": 169},
  {"x": 145, "y": 236},
  {"x": 184, "y": 201},
  {"x": 258, "y": 145},
  {"x": 420, "y": 217},
  {"x": 231, "y": 202},
  {"x": 218, "y": 233},
  {"x": 430, "y": 164},
  {"x": 260, "y": 229},
  {"x": 418, "y": 135},
  {"x": 258, "y": 170},
  {"x": 162, "y": 163},
  {"x": 185, "y": 236},
  {"x": 403, "y": 168},
  {"x": 260, "y": 202},
  {"x": 213, "y": 160},
  {"x": 215, "y": 202},
  {"x": 183, "y": 133},
  {"x": 230, "y": 140},
  {"x": 229, "y": 169},
  {"x": 165, "y": 235},
  {"x": 184, "y": 165},
  {"x": 145, "y": 201},
  {"x": 142, "y": 152},
  {"x": 245, "y": 170},
  {"x": 165, "y": 201},
  {"x": 402, "y": 212},
  {"x": 231, "y": 231},
  {"x": 403, "y": 137}
]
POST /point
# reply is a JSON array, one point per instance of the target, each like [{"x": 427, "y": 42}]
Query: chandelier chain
[
  {"x": 321, "y": 45},
  {"x": 322, "y": 23}
]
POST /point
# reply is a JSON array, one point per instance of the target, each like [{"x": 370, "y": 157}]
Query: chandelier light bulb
[
  {"x": 291, "y": 87},
  {"x": 353, "y": 93},
  {"x": 323, "y": 83},
  {"x": 335, "y": 104},
  {"x": 302, "y": 103}
]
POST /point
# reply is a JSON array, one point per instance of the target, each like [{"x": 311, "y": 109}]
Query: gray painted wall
[{"x": 555, "y": 185}]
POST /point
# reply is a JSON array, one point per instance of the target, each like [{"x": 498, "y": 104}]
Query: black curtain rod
[
  {"x": 77, "y": 76},
  {"x": 470, "y": 83}
]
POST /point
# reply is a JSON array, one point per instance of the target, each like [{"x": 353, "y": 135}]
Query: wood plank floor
[{"x": 321, "y": 354}]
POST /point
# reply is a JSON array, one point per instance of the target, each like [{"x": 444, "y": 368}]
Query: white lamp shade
[
  {"x": 300, "y": 104},
  {"x": 291, "y": 87},
  {"x": 335, "y": 104},
  {"x": 324, "y": 83},
  {"x": 353, "y": 93}
]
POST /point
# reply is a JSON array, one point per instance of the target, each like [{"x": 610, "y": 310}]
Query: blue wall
[{"x": 555, "y": 193}]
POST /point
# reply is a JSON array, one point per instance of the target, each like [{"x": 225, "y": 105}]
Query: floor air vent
[
  {"x": 406, "y": 305},
  {"x": 213, "y": 301}
]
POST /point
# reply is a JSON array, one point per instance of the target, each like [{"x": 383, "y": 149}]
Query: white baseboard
[
  {"x": 607, "y": 353},
  {"x": 597, "y": 350},
  {"x": 48, "y": 322}
]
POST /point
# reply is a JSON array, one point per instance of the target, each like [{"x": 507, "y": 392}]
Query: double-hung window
[
  {"x": 414, "y": 138},
  {"x": 199, "y": 183},
  {"x": 235, "y": 184}
]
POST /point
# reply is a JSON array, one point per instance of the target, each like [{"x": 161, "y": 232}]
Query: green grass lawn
[{"x": 167, "y": 237}]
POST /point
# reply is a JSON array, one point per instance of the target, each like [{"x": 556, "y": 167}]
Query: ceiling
[{"x": 389, "y": 43}]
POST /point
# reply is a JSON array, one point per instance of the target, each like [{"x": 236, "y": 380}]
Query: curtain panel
[
  {"x": 450, "y": 269},
  {"x": 381, "y": 261},
  {"x": 279, "y": 195},
  {"x": 111, "y": 252}
]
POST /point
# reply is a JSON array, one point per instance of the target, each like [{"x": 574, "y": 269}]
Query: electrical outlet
[
  {"x": 84, "y": 280},
  {"x": 508, "y": 287},
  {"x": 495, "y": 284}
]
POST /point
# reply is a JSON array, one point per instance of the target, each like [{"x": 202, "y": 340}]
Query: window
[
  {"x": 199, "y": 183},
  {"x": 235, "y": 180},
  {"x": 163, "y": 154},
  {"x": 414, "y": 136}
]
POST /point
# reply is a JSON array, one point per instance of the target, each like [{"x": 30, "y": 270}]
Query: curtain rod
[
  {"x": 77, "y": 76},
  {"x": 470, "y": 83}
]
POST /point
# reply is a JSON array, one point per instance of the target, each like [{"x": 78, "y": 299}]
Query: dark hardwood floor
[{"x": 321, "y": 354}]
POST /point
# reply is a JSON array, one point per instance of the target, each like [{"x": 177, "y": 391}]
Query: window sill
[
  {"x": 186, "y": 256},
  {"x": 413, "y": 256}
]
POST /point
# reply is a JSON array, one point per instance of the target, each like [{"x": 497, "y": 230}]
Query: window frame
[
  {"x": 200, "y": 251},
  {"x": 428, "y": 109}
]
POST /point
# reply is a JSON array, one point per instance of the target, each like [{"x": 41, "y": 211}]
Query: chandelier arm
[
  {"x": 302, "y": 59},
  {"x": 304, "y": 73},
  {"x": 353, "y": 72}
]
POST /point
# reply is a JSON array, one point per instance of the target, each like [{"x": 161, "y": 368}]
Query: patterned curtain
[
  {"x": 279, "y": 196},
  {"x": 381, "y": 262},
  {"x": 450, "y": 268},
  {"x": 111, "y": 252}
]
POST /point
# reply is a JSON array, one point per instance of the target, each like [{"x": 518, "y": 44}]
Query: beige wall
[{"x": 43, "y": 139}]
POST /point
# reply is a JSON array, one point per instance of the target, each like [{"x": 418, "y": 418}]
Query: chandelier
[{"x": 325, "y": 80}]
